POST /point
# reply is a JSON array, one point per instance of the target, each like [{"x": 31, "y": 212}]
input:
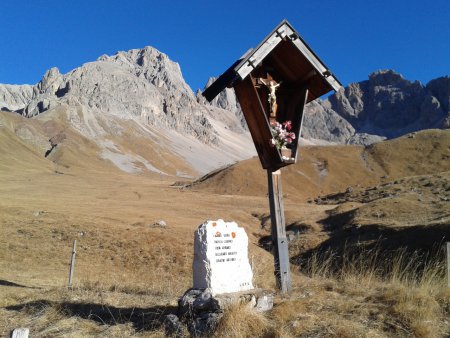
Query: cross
[{"x": 272, "y": 86}]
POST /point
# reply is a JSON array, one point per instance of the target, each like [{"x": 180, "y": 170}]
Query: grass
[
  {"x": 241, "y": 321},
  {"x": 369, "y": 295},
  {"x": 404, "y": 297},
  {"x": 353, "y": 302},
  {"x": 129, "y": 275}
]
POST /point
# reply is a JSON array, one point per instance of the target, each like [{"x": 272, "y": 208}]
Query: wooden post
[
  {"x": 448, "y": 264},
  {"x": 72, "y": 262},
  {"x": 279, "y": 240}
]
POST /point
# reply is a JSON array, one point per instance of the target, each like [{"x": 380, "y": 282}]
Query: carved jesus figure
[{"x": 272, "y": 97}]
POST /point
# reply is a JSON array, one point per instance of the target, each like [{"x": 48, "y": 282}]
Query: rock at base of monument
[
  {"x": 205, "y": 323},
  {"x": 257, "y": 299},
  {"x": 264, "y": 303},
  {"x": 201, "y": 311},
  {"x": 173, "y": 327},
  {"x": 195, "y": 301}
]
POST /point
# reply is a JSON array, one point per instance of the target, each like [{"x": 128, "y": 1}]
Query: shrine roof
[{"x": 289, "y": 55}]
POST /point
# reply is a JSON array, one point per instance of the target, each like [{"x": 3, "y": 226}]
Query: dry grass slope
[
  {"x": 129, "y": 273},
  {"x": 323, "y": 170}
]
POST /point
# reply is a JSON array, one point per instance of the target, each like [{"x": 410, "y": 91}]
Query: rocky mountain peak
[
  {"x": 385, "y": 77},
  {"x": 140, "y": 92},
  {"x": 384, "y": 106},
  {"x": 50, "y": 82},
  {"x": 152, "y": 65},
  {"x": 15, "y": 97},
  {"x": 225, "y": 100},
  {"x": 440, "y": 88}
]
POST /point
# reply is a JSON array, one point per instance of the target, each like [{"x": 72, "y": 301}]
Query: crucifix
[{"x": 272, "y": 86}]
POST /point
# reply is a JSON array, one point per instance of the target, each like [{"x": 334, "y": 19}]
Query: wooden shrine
[{"x": 273, "y": 83}]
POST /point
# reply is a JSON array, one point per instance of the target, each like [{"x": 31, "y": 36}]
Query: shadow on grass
[
  {"x": 347, "y": 241},
  {"x": 151, "y": 318},
  {"x": 8, "y": 283},
  {"x": 414, "y": 249},
  {"x": 423, "y": 239}
]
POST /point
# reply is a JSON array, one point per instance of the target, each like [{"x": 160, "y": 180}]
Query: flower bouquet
[{"x": 282, "y": 137}]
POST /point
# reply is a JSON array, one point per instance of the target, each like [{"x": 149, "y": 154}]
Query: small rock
[
  {"x": 22, "y": 332},
  {"x": 159, "y": 224},
  {"x": 264, "y": 303},
  {"x": 185, "y": 303},
  {"x": 195, "y": 300},
  {"x": 205, "y": 302},
  {"x": 204, "y": 324},
  {"x": 291, "y": 237},
  {"x": 200, "y": 311},
  {"x": 39, "y": 213},
  {"x": 173, "y": 326}
]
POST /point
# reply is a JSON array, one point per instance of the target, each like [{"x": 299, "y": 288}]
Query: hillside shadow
[
  {"x": 348, "y": 241},
  {"x": 382, "y": 243},
  {"x": 142, "y": 319},
  {"x": 294, "y": 229}
]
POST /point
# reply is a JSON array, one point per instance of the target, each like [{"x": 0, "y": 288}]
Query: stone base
[
  {"x": 200, "y": 311},
  {"x": 258, "y": 299}
]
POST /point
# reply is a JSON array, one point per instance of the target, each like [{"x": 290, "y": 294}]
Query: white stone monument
[{"x": 221, "y": 258}]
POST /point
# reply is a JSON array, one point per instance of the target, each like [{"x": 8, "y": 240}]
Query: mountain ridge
[
  {"x": 384, "y": 106},
  {"x": 142, "y": 93}
]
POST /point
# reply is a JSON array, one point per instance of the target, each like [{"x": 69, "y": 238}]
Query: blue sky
[{"x": 354, "y": 38}]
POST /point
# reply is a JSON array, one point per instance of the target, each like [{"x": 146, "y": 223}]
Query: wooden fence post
[
  {"x": 448, "y": 264},
  {"x": 279, "y": 240},
  {"x": 72, "y": 262}
]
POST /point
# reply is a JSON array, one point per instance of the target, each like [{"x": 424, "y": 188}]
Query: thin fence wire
[{"x": 90, "y": 268}]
